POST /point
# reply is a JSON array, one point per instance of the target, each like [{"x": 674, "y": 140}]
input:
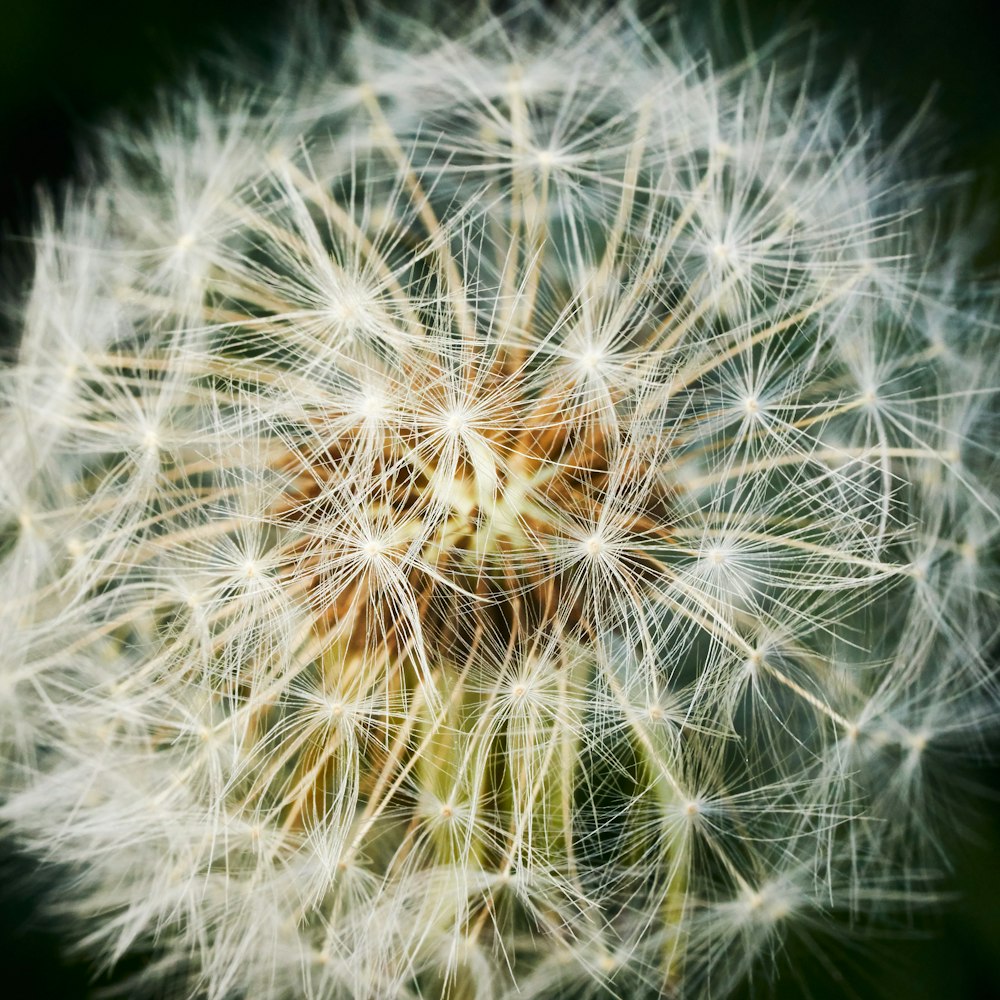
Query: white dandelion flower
[{"x": 508, "y": 508}]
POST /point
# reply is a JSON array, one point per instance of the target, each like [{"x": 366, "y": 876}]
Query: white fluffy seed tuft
[{"x": 507, "y": 511}]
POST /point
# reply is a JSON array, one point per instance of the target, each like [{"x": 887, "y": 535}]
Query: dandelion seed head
[{"x": 510, "y": 507}]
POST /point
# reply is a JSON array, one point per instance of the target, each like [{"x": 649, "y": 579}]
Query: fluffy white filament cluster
[{"x": 508, "y": 512}]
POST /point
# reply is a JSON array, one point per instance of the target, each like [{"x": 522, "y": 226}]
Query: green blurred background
[{"x": 64, "y": 64}]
